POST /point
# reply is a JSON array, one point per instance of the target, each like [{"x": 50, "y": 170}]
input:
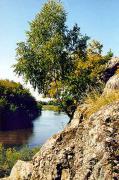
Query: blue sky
[{"x": 99, "y": 19}]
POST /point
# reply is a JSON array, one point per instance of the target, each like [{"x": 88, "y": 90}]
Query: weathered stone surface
[
  {"x": 111, "y": 68},
  {"x": 85, "y": 150},
  {"x": 112, "y": 85},
  {"x": 21, "y": 171},
  {"x": 114, "y": 61}
]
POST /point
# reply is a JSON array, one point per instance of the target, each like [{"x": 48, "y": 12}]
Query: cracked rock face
[{"x": 85, "y": 149}]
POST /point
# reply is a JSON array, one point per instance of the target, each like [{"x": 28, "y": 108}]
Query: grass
[
  {"x": 94, "y": 101},
  {"x": 9, "y": 156},
  {"x": 51, "y": 108}
]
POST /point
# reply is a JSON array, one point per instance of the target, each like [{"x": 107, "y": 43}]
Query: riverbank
[
  {"x": 24, "y": 144},
  {"x": 51, "y": 108},
  {"x": 9, "y": 156},
  {"x": 18, "y": 108},
  {"x": 44, "y": 126}
]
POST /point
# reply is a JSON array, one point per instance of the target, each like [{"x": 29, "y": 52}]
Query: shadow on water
[
  {"x": 15, "y": 138},
  {"x": 20, "y": 119},
  {"x": 17, "y": 131},
  {"x": 16, "y": 127}
]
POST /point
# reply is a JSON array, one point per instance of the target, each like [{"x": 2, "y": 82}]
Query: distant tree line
[{"x": 17, "y": 107}]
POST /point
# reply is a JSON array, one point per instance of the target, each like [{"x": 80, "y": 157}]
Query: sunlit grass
[
  {"x": 51, "y": 108},
  {"x": 94, "y": 101}
]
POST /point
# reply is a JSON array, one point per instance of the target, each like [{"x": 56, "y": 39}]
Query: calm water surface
[{"x": 44, "y": 126}]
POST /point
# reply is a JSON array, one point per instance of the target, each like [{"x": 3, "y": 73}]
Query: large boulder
[
  {"x": 85, "y": 150},
  {"x": 112, "y": 85},
  {"x": 21, "y": 171}
]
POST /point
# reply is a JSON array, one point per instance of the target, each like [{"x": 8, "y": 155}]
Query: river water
[{"x": 44, "y": 126}]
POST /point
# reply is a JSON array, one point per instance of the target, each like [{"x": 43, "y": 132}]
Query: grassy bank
[
  {"x": 95, "y": 101},
  {"x": 51, "y": 108},
  {"x": 9, "y": 156}
]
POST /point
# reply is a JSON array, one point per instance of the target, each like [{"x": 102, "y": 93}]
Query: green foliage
[
  {"x": 9, "y": 156},
  {"x": 39, "y": 105},
  {"x": 52, "y": 108},
  {"x": 17, "y": 106},
  {"x": 13, "y": 107},
  {"x": 3, "y": 102},
  {"x": 57, "y": 60},
  {"x": 94, "y": 47},
  {"x": 87, "y": 74},
  {"x": 39, "y": 57}
]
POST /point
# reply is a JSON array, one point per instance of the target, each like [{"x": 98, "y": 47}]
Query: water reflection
[
  {"x": 47, "y": 124},
  {"x": 18, "y": 137},
  {"x": 15, "y": 122}
]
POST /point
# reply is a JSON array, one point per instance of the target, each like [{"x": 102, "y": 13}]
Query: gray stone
[
  {"x": 112, "y": 85},
  {"x": 84, "y": 150}
]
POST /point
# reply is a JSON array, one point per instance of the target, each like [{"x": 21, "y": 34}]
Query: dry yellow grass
[{"x": 94, "y": 101}]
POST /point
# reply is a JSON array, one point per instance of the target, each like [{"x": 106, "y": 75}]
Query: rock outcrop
[
  {"x": 21, "y": 170},
  {"x": 112, "y": 67},
  {"x": 112, "y": 85},
  {"x": 87, "y": 149}
]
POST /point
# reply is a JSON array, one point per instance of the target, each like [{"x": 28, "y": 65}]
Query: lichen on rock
[
  {"x": 112, "y": 85},
  {"x": 86, "y": 149},
  {"x": 21, "y": 171}
]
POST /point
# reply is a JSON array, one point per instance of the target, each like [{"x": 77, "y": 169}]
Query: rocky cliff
[{"x": 86, "y": 149}]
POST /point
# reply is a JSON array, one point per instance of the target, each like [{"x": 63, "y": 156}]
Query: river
[{"x": 47, "y": 124}]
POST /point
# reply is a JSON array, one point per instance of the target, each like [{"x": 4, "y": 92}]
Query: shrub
[{"x": 9, "y": 156}]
